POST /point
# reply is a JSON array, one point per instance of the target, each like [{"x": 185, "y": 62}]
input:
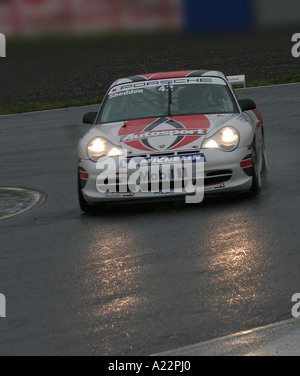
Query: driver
[{"x": 199, "y": 99}]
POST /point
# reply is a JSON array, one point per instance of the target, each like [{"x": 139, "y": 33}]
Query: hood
[{"x": 165, "y": 133}]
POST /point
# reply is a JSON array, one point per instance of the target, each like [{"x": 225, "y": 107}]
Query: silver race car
[{"x": 164, "y": 134}]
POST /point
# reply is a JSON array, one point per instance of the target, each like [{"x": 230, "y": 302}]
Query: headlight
[
  {"x": 228, "y": 136},
  {"x": 99, "y": 147},
  {"x": 226, "y": 139},
  {"x": 114, "y": 152},
  {"x": 96, "y": 148}
]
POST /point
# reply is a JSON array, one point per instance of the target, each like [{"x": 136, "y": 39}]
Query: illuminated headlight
[
  {"x": 228, "y": 136},
  {"x": 226, "y": 139},
  {"x": 99, "y": 147},
  {"x": 114, "y": 152},
  {"x": 96, "y": 148}
]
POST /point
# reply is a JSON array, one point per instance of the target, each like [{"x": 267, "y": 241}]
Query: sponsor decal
[
  {"x": 166, "y": 82},
  {"x": 123, "y": 177},
  {"x": 124, "y": 93},
  {"x": 163, "y": 193},
  {"x": 164, "y": 159},
  {"x": 214, "y": 186},
  {"x": 164, "y": 133},
  {"x": 183, "y": 132},
  {"x": 119, "y": 194}
]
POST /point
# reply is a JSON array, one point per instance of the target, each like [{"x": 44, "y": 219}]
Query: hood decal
[{"x": 164, "y": 133}]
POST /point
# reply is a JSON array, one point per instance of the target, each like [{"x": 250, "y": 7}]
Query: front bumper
[{"x": 223, "y": 172}]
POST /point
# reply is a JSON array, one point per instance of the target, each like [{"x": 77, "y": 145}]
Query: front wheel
[
  {"x": 256, "y": 174},
  {"x": 84, "y": 206}
]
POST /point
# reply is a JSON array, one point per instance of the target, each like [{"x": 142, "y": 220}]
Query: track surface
[{"x": 143, "y": 279}]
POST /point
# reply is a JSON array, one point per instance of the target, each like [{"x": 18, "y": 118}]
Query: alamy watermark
[
  {"x": 2, "y": 306},
  {"x": 296, "y": 307},
  {"x": 164, "y": 174},
  {"x": 296, "y": 46},
  {"x": 2, "y": 45}
]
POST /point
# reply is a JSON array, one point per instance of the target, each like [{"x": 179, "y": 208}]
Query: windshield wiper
[{"x": 169, "y": 99}]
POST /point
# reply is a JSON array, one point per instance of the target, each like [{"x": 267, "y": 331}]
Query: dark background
[{"x": 52, "y": 69}]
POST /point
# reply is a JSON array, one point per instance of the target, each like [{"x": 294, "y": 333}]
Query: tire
[
  {"x": 84, "y": 206},
  {"x": 256, "y": 174},
  {"x": 264, "y": 170}
]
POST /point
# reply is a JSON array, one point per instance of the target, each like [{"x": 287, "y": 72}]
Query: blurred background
[
  {"x": 32, "y": 17},
  {"x": 61, "y": 50}
]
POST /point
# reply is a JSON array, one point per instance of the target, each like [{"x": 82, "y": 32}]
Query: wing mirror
[
  {"x": 89, "y": 118},
  {"x": 247, "y": 104}
]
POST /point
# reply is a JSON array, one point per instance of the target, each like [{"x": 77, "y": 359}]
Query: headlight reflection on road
[
  {"x": 235, "y": 263},
  {"x": 113, "y": 277}
]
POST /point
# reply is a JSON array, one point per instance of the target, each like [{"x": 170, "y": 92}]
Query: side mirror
[
  {"x": 247, "y": 104},
  {"x": 89, "y": 118}
]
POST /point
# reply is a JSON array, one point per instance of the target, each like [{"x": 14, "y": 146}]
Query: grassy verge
[
  {"x": 274, "y": 81},
  {"x": 31, "y": 107}
]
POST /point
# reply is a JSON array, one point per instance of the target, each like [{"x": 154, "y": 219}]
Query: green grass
[
  {"x": 31, "y": 107},
  {"x": 274, "y": 81}
]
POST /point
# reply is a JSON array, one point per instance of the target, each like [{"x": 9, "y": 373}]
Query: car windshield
[{"x": 149, "y": 99}]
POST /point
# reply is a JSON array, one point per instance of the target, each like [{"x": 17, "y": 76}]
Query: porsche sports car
[{"x": 161, "y": 120}]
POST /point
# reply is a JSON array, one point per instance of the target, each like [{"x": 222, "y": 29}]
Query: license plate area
[{"x": 159, "y": 174}]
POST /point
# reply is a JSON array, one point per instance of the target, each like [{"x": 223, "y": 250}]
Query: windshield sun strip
[{"x": 169, "y": 90}]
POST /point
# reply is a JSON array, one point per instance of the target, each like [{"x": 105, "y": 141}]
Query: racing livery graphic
[
  {"x": 163, "y": 133},
  {"x": 159, "y": 122}
]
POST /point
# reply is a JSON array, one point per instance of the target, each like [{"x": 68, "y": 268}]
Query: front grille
[
  {"x": 219, "y": 172},
  {"x": 162, "y": 154}
]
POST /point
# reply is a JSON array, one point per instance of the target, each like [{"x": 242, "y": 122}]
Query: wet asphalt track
[{"x": 143, "y": 279}]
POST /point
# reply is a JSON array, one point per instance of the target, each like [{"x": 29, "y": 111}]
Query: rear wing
[{"x": 237, "y": 80}]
